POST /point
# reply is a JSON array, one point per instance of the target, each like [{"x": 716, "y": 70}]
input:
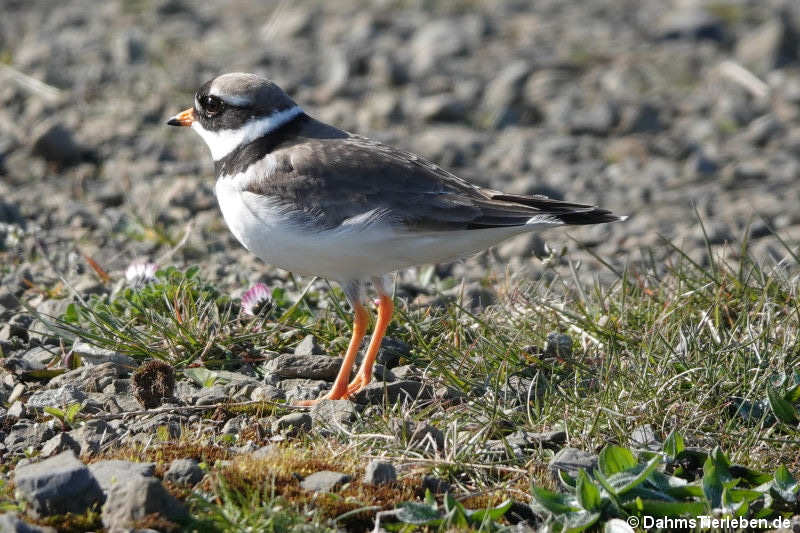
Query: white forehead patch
[{"x": 223, "y": 142}]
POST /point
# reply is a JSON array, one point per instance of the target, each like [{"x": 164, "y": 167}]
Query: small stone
[
  {"x": 295, "y": 366},
  {"x": 690, "y": 23},
  {"x": 60, "y": 443},
  {"x": 211, "y": 395},
  {"x": 92, "y": 435},
  {"x": 112, "y": 472},
  {"x": 25, "y": 436},
  {"x": 267, "y": 393},
  {"x": 570, "y": 460},
  {"x": 265, "y": 451},
  {"x": 184, "y": 472},
  {"x": 92, "y": 355},
  {"x": 324, "y": 481},
  {"x": 234, "y": 425},
  {"x": 292, "y": 424},
  {"x": 379, "y": 472},
  {"x": 58, "y": 485},
  {"x": 308, "y": 346},
  {"x": 331, "y": 412},
  {"x": 56, "y": 145},
  {"x": 558, "y": 345},
  {"x": 644, "y": 436},
  {"x": 132, "y": 500},
  {"x": 418, "y": 434},
  {"x": 773, "y": 44},
  {"x": 435, "y": 485},
  {"x": 61, "y": 397},
  {"x": 16, "y": 392},
  {"x": 10, "y": 523},
  {"x": 17, "y": 410},
  {"x": 393, "y": 392}
]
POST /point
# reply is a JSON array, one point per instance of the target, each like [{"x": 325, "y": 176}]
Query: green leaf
[
  {"x": 667, "y": 509},
  {"x": 578, "y": 521},
  {"x": 54, "y": 411},
  {"x": 553, "y": 502},
  {"x": 587, "y": 492},
  {"x": 673, "y": 445},
  {"x": 716, "y": 477},
  {"x": 72, "y": 411},
  {"x": 493, "y": 513},
  {"x": 201, "y": 376},
  {"x": 615, "y": 459},
  {"x": 785, "y": 485},
  {"x": 637, "y": 479},
  {"x": 71, "y": 314},
  {"x": 566, "y": 480},
  {"x": 418, "y": 513},
  {"x": 782, "y": 409}
]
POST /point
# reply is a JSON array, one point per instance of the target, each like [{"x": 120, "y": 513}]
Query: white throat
[{"x": 223, "y": 142}]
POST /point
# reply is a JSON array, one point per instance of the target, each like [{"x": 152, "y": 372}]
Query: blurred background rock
[{"x": 661, "y": 109}]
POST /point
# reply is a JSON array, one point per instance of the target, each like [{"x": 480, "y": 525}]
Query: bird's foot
[
  {"x": 358, "y": 383},
  {"x": 343, "y": 395}
]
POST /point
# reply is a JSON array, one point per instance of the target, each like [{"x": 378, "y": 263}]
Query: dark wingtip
[{"x": 595, "y": 216}]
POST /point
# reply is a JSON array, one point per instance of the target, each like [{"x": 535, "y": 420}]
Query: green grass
[{"x": 708, "y": 351}]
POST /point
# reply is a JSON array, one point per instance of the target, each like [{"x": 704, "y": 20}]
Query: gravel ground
[{"x": 670, "y": 111}]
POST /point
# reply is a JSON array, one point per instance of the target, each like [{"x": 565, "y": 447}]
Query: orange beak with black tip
[{"x": 184, "y": 118}]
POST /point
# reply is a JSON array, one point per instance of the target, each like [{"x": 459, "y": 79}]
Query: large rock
[
  {"x": 130, "y": 501},
  {"x": 115, "y": 471},
  {"x": 59, "y": 398},
  {"x": 59, "y": 485},
  {"x": 333, "y": 412}
]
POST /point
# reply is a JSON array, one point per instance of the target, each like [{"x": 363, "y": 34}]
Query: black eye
[{"x": 212, "y": 105}]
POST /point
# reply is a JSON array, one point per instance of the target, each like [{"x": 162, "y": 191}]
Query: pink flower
[
  {"x": 256, "y": 300},
  {"x": 140, "y": 273}
]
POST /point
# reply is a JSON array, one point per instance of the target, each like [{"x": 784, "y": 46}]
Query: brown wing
[{"x": 332, "y": 180}]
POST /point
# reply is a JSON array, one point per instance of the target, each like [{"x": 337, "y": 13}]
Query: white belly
[{"x": 352, "y": 251}]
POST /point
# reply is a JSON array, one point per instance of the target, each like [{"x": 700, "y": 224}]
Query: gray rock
[
  {"x": 558, "y": 345},
  {"x": 265, "y": 451},
  {"x": 644, "y": 436},
  {"x": 211, "y": 395},
  {"x": 324, "y": 481},
  {"x": 16, "y": 393},
  {"x": 294, "y": 366},
  {"x": 151, "y": 424},
  {"x": 292, "y": 424},
  {"x": 773, "y": 44},
  {"x": 308, "y": 346},
  {"x": 407, "y": 373},
  {"x": 184, "y": 472},
  {"x": 132, "y": 500},
  {"x": 92, "y": 355},
  {"x": 60, "y": 443},
  {"x": 61, "y": 397},
  {"x": 570, "y": 460},
  {"x": 39, "y": 356},
  {"x": 597, "y": 119},
  {"x": 503, "y": 96},
  {"x": 403, "y": 390},
  {"x": 435, "y": 485},
  {"x": 234, "y": 425},
  {"x": 23, "y": 436},
  {"x": 112, "y": 472},
  {"x": 267, "y": 393},
  {"x": 58, "y": 485},
  {"x": 331, "y": 412},
  {"x": 690, "y": 23},
  {"x": 91, "y": 436},
  {"x": 391, "y": 351},
  {"x": 418, "y": 434},
  {"x": 17, "y": 410},
  {"x": 56, "y": 144},
  {"x": 11, "y": 523},
  {"x": 379, "y": 472}
]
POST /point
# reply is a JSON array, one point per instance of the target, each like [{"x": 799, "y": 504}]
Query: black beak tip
[{"x": 173, "y": 122}]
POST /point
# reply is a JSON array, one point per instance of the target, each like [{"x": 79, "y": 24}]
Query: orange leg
[
  {"x": 339, "y": 390},
  {"x": 364, "y": 375}
]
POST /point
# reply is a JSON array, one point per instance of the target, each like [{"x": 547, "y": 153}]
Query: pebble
[
  {"x": 184, "y": 472},
  {"x": 570, "y": 460},
  {"x": 111, "y": 472},
  {"x": 324, "y": 481},
  {"x": 379, "y": 472},
  {"x": 293, "y": 424},
  {"x": 294, "y": 366}
]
